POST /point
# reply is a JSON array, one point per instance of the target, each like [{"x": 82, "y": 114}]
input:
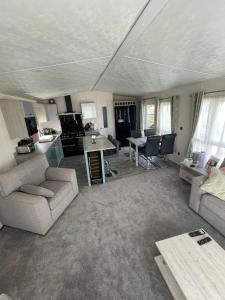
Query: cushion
[
  {"x": 36, "y": 190},
  {"x": 215, "y": 184},
  {"x": 31, "y": 171},
  {"x": 9, "y": 182},
  {"x": 60, "y": 188}
]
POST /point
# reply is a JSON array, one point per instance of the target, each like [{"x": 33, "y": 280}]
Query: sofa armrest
[
  {"x": 63, "y": 174},
  {"x": 26, "y": 211},
  {"x": 196, "y": 192}
]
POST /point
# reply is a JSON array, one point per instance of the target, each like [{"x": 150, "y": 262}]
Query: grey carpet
[
  {"x": 119, "y": 162},
  {"x": 103, "y": 246}
]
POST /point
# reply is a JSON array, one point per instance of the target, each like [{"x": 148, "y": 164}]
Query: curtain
[
  {"x": 138, "y": 112},
  {"x": 142, "y": 115},
  {"x": 209, "y": 134},
  {"x": 174, "y": 112},
  {"x": 165, "y": 117},
  {"x": 197, "y": 102}
]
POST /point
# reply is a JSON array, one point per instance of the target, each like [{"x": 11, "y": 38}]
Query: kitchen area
[
  {"x": 38, "y": 125},
  {"x": 39, "y": 128}
]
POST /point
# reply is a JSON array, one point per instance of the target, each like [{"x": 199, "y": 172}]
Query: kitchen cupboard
[
  {"x": 55, "y": 153},
  {"x": 40, "y": 112},
  {"x": 14, "y": 118},
  {"x": 51, "y": 112},
  {"x": 28, "y": 109}
]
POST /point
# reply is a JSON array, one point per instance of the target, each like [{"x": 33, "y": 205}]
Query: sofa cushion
[
  {"x": 214, "y": 204},
  {"x": 215, "y": 184},
  {"x": 60, "y": 188},
  {"x": 31, "y": 171},
  {"x": 37, "y": 190},
  {"x": 9, "y": 182}
]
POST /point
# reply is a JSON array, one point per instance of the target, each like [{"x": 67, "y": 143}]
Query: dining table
[{"x": 137, "y": 142}]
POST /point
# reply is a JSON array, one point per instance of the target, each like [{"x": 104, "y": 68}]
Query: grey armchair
[{"x": 32, "y": 212}]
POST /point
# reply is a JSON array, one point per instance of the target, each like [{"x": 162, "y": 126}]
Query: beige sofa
[
  {"x": 211, "y": 208},
  {"x": 31, "y": 212},
  {"x": 4, "y": 297}
]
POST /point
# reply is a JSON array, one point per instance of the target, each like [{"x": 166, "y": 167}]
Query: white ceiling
[{"x": 52, "y": 48}]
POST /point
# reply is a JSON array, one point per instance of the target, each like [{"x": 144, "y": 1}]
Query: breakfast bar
[{"x": 94, "y": 158}]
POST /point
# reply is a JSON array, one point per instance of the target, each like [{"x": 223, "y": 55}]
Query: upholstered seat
[
  {"x": 214, "y": 204},
  {"x": 61, "y": 189},
  {"x": 35, "y": 212},
  {"x": 211, "y": 208}
]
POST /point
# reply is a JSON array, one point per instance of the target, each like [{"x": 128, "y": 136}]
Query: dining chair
[
  {"x": 150, "y": 131},
  {"x": 151, "y": 149},
  {"x": 167, "y": 144},
  {"x": 135, "y": 133}
]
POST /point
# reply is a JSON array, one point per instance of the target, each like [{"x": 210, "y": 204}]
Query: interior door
[{"x": 104, "y": 122}]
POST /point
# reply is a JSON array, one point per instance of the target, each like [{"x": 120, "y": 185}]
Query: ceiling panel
[
  {"x": 39, "y": 33},
  {"x": 71, "y": 41},
  {"x": 141, "y": 77},
  {"x": 187, "y": 34},
  {"x": 54, "y": 47},
  {"x": 48, "y": 82}
]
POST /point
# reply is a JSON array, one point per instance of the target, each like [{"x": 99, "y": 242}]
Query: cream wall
[
  {"x": 101, "y": 99},
  {"x": 185, "y": 111},
  {"x": 8, "y": 144},
  {"x": 7, "y": 147}
]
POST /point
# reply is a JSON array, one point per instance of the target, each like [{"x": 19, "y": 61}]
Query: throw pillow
[
  {"x": 215, "y": 184},
  {"x": 36, "y": 190}
]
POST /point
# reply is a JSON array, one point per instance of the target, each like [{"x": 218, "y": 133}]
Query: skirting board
[{"x": 169, "y": 279}]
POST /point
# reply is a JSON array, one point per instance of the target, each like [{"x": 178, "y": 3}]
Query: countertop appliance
[
  {"x": 48, "y": 131},
  {"x": 25, "y": 146}
]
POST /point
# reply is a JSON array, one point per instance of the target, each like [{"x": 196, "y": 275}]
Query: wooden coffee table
[{"x": 192, "y": 271}]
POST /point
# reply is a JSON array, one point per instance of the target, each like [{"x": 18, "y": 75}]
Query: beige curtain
[
  {"x": 142, "y": 115},
  {"x": 196, "y": 104},
  {"x": 175, "y": 100}
]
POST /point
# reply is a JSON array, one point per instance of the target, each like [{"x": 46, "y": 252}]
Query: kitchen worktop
[
  {"x": 102, "y": 143},
  {"x": 40, "y": 148}
]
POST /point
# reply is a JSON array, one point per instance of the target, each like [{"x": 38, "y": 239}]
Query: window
[
  {"x": 165, "y": 117},
  {"x": 149, "y": 114},
  {"x": 210, "y": 131}
]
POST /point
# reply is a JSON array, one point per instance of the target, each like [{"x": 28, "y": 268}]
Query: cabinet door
[
  {"x": 51, "y": 111},
  {"x": 59, "y": 151},
  {"x": 51, "y": 157},
  {"x": 40, "y": 112},
  {"x": 14, "y": 118},
  {"x": 28, "y": 109}
]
